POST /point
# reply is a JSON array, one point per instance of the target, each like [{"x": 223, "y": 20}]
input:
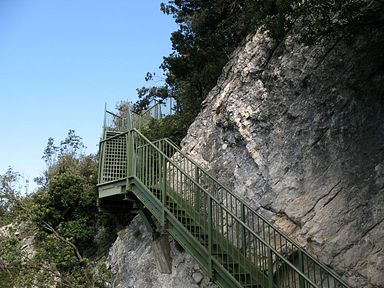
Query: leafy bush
[
  {"x": 172, "y": 127},
  {"x": 63, "y": 217}
]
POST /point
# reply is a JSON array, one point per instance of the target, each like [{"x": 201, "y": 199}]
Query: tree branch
[
  {"x": 4, "y": 267},
  {"x": 49, "y": 228}
]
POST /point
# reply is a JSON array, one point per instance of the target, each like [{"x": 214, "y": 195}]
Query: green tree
[
  {"x": 63, "y": 218},
  {"x": 10, "y": 194},
  {"x": 68, "y": 204},
  {"x": 50, "y": 152},
  {"x": 72, "y": 144},
  {"x": 10, "y": 259}
]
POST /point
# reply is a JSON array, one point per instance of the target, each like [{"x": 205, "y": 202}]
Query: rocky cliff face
[
  {"x": 298, "y": 131},
  {"x": 132, "y": 262}
]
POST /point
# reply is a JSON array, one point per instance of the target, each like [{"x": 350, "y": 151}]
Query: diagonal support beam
[{"x": 160, "y": 243}]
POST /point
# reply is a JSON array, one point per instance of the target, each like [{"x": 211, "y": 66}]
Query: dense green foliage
[
  {"x": 172, "y": 127},
  {"x": 210, "y": 30},
  {"x": 63, "y": 221}
]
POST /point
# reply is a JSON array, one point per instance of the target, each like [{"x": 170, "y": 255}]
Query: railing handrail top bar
[
  {"x": 148, "y": 109},
  {"x": 112, "y": 181},
  {"x": 113, "y": 114},
  {"x": 173, "y": 143},
  {"x": 113, "y": 137},
  {"x": 202, "y": 169}
]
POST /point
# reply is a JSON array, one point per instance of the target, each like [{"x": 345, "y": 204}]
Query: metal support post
[
  {"x": 164, "y": 188},
  {"x": 270, "y": 267},
  {"x": 301, "y": 268},
  {"x": 243, "y": 233},
  {"x": 197, "y": 192},
  {"x": 210, "y": 269},
  {"x": 131, "y": 155}
]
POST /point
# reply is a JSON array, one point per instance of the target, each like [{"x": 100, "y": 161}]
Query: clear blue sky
[{"x": 61, "y": 60}]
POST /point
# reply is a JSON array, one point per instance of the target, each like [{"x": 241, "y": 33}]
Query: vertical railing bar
[
  {"x": 164, "y": 188},
  {"x": 210, "y": 271},
  {"x": 244, "y": 244},
  {"x": 197, "y": 179},
  {"x": 153, "y": 168},
  {"x": 301, "y": 268},
  {"x": 101, "y": 161},
  {"x": 270, "y": 268},
  {"x": 147, "y": 161}
]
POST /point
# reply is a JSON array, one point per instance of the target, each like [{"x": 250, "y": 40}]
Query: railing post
[
  {"x": 101, "y": 162},
  {"x": 301, "y": 268},
  {"x": 210, "y": 270},
  {"x": 105, "y": 120},
  {"x": 270, "y": 267},
  {"x": 131, "y": 155},
  {"x": 131, "y": 165},
  {"x": 243, "y": 233},
  {"x": 101, "y": 147},
  {"x": 164, "y": 188},
  {"x": 197, "y": 196}
]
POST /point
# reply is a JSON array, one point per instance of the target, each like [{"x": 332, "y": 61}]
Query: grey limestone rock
[
  {"x": 298, "y": 131},
  {"x": 132, "y": 262}
]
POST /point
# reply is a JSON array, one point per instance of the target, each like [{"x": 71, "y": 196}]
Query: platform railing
[
  {"x": 113, "y": 157},
  {"x": 142, "y": 118}
]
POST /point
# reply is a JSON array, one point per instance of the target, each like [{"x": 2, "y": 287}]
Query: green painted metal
[{"x": 236, "y": 246}]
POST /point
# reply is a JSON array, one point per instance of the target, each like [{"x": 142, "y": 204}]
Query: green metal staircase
[{"x": 236, "y": 246}]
